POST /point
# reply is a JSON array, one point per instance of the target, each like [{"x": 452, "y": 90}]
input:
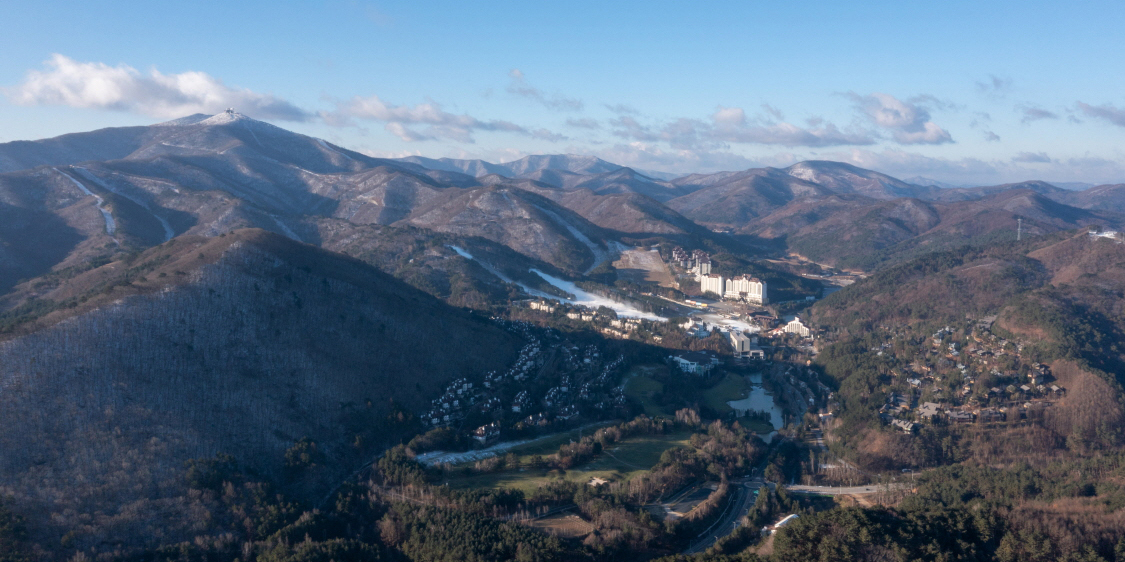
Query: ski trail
[
  {"x": 600, "y": 255},
  {"x": 110, "y": 225},
  {"x": 533, "y": 292},
  {"x": 330, "y": 149},
  {"x": 285, "y": 229},
  {"x": 168, "y": 231},
  {"x": 247, "y": 126},
  {"x": 594, "y": 301}
]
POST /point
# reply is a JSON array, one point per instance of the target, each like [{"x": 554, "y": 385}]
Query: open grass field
[
  {"x": 565, "y": 525},
  {"x": 732, "y": 387},
  {"x": 757, "y": 426},
  {"x": 641, "y": 387},
  {"x": 550, "y": 444},
  {"x": 619, "y": 462}
]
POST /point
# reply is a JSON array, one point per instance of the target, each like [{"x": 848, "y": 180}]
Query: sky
[{"x": 959, "y": 92}]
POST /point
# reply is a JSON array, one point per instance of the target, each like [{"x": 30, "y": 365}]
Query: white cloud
[
  {"x": 1032, "y": 113},
  {"x": 730, "y": 125},
  {"x": 584, "y": 123},
  {"x": 995, "y": 85},
  {"x": 819, "y": 134},
  {"x": 544, "y": 134},
  {"x": 425, "y": 121},
  {"x": 773, "y": 111},
  {"x": 622, "y": 109},
  {"x": 558, "y": 102},
  {"x": 96, "y": 85},
  {"x": 976, "y": 171},
  {"x": 1106, "y": 111},
  {"x": 1032, "y": 158},
  {"x": 651, "y": 156},
  {"x": 907, "y": 121},
  {"x": 731, "y": 116}
]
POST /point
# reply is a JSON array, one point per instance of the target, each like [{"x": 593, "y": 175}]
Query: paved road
[
  {"x": 743, "y": 501},
  {"x": 737, "y": 507},
  {"x": 840, "y": 491}
]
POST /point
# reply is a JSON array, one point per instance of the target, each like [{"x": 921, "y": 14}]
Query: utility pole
[{"x": 1019, "y": 229}]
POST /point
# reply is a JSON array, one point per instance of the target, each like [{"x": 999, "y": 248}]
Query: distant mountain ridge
[
  {"x": 209, "y": 174},
  {"x": 573, "y": 163}
]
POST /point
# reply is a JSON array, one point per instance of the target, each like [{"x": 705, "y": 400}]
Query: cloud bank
[
  {"x": 425, "y": 121},
  {"x": 730, "y": 125},
  {"x": 95, "y": 85}
]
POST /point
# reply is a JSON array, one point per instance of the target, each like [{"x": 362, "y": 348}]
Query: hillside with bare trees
[{"x": 243, "y": 344}]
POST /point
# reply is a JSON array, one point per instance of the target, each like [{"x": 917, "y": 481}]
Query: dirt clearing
[{"x": 644, "y": 266}]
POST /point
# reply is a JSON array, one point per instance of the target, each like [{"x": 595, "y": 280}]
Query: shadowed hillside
[{"x": 242, "y": 344}]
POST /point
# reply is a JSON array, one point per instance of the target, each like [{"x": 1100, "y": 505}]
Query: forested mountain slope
[
  {"x": 864, "y": 234},
  {"x": 1057, "y": 299},
  {"x": 241, "y": 344}
]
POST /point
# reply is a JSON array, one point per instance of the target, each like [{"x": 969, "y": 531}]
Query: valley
[{"x": 228, "y": 340}]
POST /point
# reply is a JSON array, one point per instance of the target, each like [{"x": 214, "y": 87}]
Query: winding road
[{"x": 743, "y": 501}]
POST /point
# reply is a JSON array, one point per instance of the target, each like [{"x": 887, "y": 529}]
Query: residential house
[
  {"x": 957, "y": 416},
  {"x": 486, "y": 434},
  {"x": 929, "y": 410}
]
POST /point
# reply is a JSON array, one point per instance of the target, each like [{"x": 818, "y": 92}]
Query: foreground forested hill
[{"x": 243, "y": 344}]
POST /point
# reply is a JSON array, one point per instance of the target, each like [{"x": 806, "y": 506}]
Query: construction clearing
[{"x": 642, "y": 266}]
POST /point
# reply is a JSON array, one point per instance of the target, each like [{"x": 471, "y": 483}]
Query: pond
[{"x": 759, "y": 400}]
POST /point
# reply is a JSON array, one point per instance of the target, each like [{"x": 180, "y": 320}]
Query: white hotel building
[
  {"x": 743, "y": 287},
  {"x": 711, "y": 283},
  {"x": 750, "y": 289}
]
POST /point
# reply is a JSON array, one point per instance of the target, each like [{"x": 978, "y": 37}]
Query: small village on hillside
[{"x": 961, "y": 375}]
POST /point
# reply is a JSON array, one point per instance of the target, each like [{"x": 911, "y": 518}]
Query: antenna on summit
[{"x": 230, "y": 111}]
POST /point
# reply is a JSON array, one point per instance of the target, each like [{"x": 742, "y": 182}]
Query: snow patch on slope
[
  {"x": 600, "y": 254},
  {"x": 329, "y": 148},
  {"x": 223, "y": 118},
  {"x": 533, "y": 292},
  {"x": 110, "y": 225},
  {"x": 581, "y": 297},
  {"x": 168, "y": 231},
  {"x": 591, "y": 300},
  {"x": 285, "y": 229}
]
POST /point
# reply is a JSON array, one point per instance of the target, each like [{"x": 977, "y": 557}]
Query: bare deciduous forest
[{"x": 272, "y": 343}]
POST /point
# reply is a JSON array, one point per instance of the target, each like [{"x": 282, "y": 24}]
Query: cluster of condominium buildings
[
  {"x": 741, "y": 287},
  {"x": 697, "y": 262}
]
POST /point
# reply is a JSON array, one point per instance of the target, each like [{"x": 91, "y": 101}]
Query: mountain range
[
  {"x": 204, "y": 175},
  {"x": 216, "y": 283}
]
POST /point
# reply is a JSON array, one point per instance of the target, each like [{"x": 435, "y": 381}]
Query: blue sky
[{"x": 964, "y": 92}]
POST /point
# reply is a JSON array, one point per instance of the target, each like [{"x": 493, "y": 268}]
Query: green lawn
[
  {"x": 620, "y": 462},
  {"x": 550, "y": 444},
  {"x": 642, "y": 388},
  {"x": 732, "y": 387},
  {"x": 759, "y": 427}
]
